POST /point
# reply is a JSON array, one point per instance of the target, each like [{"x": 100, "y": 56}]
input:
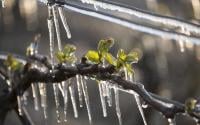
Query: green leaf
[
  {"x": 110, "y": 59},
  {"x": 132, "y": 57},
  {"x": 121, "y": 55},
  {"x": 105, "y": 45},
  {"x": 190, "y": 104},
  {"x": 93, "y": 56},
  {"x": 12, "y": 63},
  {"x": 69, "y": 49},
  {"x": 60, "y": 56}
]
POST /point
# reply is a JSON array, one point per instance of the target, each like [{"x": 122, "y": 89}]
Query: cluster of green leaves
[
  {"x": 102, "y": 53},
  {"x": 67, "y": 55},
  {"x": 12, "y": 63}
]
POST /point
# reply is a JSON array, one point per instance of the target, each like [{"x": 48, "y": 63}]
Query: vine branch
[{"x": 62, "y": 72}]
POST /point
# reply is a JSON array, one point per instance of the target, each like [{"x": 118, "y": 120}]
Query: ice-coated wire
[
  {"x": 57, "y": 27},
  {"x": 109, "y": 5},
  {"x": 86, "y": 97},
  {"x": 64, "y": 22},
  {"x": 72, "y": 95},
  {"x": 133, "y": 26}
]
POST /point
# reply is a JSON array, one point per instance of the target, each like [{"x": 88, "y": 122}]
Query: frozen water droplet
[
  {"x": 118, "y": 112},
  {"x": 86, "y": 97},
  {"x": 57, "y": 27},
  {"x": 64, "y": 22},
  {"x": 72, "y": 94},
  {"x": 43, "y": 95},
  {"x": 171, "y": 121},
  {"x": 144, "y": 105},
  {"x": 103, "y": 103},
  {"x": 35, "y": 96},
  {"x": 80, "y": 92},
  {"x": 19, "y": 103}
]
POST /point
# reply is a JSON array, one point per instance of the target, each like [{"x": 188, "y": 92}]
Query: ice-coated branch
[{"x": 62, "y": 72}]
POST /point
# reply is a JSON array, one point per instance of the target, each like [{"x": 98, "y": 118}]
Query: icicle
[
  {"x": 109, "y": 94},
  {"x": 118, "y": 112},
  {"x": 104, "y": 89},
  {"x": 19, "y": 103},
  {"x": 35, "y": 96},
  {"x": 182, "y": 47},
  {"x": 64, "y": 21},
  {"x": 139, "y": 105},
  {"x": 171, "y": 121},
  {"x": 57, "y": 27},
  {"x": 56, "y": 90},
  {"x": 51, "y": 36},
  {"x": 86, "y": 97},
  {"x": 65, "y": 89},
  {"x": 43, "y": 95},
  {"x": 126, "y": 73},
  {"x": 103, "y": 103},
  {"x": 3, "y": 3},
  {"x": 25, "y": 100},
  {"x": 72, "y": 94},
  {"x": 80, "y": 93}
]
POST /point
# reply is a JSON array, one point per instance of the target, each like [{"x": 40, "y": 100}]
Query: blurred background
[{"x": 166, "y": 68}]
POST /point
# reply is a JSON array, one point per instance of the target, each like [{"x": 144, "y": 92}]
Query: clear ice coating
[
  {"x": 118, "y": 112},
  {"x": 143, "y": 15},
  {"x": 72, "y": 95},
  {"x": 133, "y": 26},
  {"x": 86, "y": 97},
  {"x": 57, "y": 27},
  {"x": 65, "y": 89},
  {"x": 35, "y": 96},
  {"x": 80, "y": 92},
  {"x": 103, "y": 103},
  {"x": 64, "y": 22},
  {"x": 171, "y": 121},
  {"x": 43, "y": 96},
  {"x": 19, "y": 103},
  {"x": 56, "y": 95}
]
